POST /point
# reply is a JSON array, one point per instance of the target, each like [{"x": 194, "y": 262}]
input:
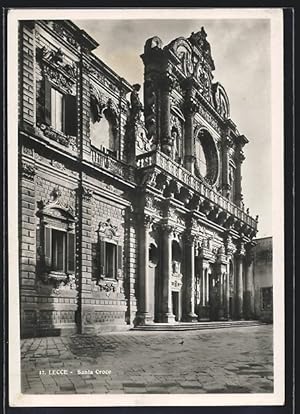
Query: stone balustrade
[
  {"x": 203, "y": 188},
  {"x": 107, "y": 162}
]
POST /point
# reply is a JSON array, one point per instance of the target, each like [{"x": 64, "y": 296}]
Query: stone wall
[{"x": 263, "y": 279}]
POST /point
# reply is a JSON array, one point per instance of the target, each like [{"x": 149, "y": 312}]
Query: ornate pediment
[
  {"x": 56, "y": 208},
  {"x": 107, "y": 231},
  {"x": 56, "y": 68},
  {"x": 202, "y": 45}
]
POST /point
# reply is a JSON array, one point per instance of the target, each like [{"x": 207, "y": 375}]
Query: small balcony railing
[{"x": 108, "y": 162}]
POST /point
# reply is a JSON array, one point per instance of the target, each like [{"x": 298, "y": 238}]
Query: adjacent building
[
  {"x": 263, "y": 279},
  {"x": 129, "y": 212}
]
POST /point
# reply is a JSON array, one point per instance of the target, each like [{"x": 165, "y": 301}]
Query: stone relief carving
[
  {"x": 55, "y": 200},
  {"x": 28, "y": 151},
  {"x": 103, "y": 79},
  {"x": 107, "y": 230},
  {"x": 56, "y": 69},
  {"x": 209, "y": 118},
  {"x": 136, "y": 107},
  {"x": 104, "y": 286},
  {"x": 60, "y": 137},
  {"x": 28, "y": 171},
  {"x": 64, "y": 34}
]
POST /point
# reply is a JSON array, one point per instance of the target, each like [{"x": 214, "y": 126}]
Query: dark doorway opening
[
  {"x": 230, "y": 308},
  {"x": 175, "y": 303}
]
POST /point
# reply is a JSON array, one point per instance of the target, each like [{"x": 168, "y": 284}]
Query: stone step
[{"x": 188, "y": 326}]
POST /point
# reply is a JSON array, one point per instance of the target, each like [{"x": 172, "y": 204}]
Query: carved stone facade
[{"x": 130, "y": 213}]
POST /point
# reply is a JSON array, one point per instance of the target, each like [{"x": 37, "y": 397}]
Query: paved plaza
[{"x": 230, "y": 360}]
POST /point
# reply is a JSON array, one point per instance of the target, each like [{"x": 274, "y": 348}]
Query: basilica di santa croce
[{"x": 130, "y": 213}]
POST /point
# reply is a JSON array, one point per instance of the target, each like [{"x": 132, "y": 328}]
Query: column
[
  {"x": 238, "y": 176},
  {"x": 227, "y": 295},
  {"x": 190, "y": 278},
  {"x": 239, "y": 286},
  {"x": 225, "y": 164},
  {"x": 204, "y": 310},
  {"x": 167, "y": 310},
  {"x": 207, "y": 287},
  {"x": 248, "y": 294},
  {"x": 203, "y": 287},
  {"x": 190, "y": 109},
  {"x": 167, "y": 83},
  {"x": 143, "y": 316},
  {"x": 221, "y": 297}
]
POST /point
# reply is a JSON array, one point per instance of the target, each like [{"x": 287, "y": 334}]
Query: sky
[{"x": 241, "y": 52}]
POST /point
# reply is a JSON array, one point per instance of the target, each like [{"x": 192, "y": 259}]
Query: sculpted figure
[{"x": 136, "y": 105}]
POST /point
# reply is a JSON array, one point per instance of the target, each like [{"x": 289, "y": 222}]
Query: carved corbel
[
  {"x": 194, "y": 202},
  {"x": 206, "y": 206}
]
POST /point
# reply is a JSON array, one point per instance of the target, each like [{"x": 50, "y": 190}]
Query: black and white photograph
[{"x": 146, "y": 207}]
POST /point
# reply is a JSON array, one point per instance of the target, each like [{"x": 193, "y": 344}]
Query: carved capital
[
  {"x": 240, "y": 156},
  {"x": 241, "y": 251},
  {"x": 168, "y": 82},
  {"x": 167, "y": 228},
  {"x": 189, "y": 239},
  {"x": 190, "y": 106},
  {"x": 27, "y": 171},
  {"x": 147, "y": 221}
]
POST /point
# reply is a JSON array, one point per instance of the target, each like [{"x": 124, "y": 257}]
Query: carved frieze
[
  {"x": 103, "y": 79},
  {"x": 64, "y": 34},
  {"x": 61, "y": 138},
  {"x": 28, "y": 151},
  {"x": 209, "y": 118}
]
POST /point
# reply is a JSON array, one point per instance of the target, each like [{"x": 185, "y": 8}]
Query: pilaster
[
  {"x": 204, "y": 291},
  {"x": 239, "y": 256},
  {"x": 166, "y": 237},
  {"x": 190, "y": 314},
  {"x": 84, "y": 258},
  {"x": 249, "y": 288}
]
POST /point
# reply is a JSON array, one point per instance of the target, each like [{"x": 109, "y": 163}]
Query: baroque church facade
[{"x": 130, "y": 213}]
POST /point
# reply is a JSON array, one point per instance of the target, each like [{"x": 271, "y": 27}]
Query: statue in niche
[
  {"x": 176, "y": 267},
  {"x": 174, "y": 137},
  {"x": 136, "y": 105}
]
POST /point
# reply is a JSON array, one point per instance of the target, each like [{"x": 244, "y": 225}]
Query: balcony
[
  {"x": 202, "y": 188},
  {"x": 107, "y": 162}
]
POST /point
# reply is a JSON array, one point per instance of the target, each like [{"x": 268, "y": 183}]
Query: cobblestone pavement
[{"x": 231, "y": 360}]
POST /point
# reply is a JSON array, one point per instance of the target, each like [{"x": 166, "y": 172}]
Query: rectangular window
[
  {"x": 110, "y": 260},
  {"x": 57, "y": 113},
  {"x": 59, "y": 248}
]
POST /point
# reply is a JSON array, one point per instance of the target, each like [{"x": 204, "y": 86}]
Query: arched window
[
  {"x": 103, "y": 131},
  {"x": 200, "y": 156}
]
